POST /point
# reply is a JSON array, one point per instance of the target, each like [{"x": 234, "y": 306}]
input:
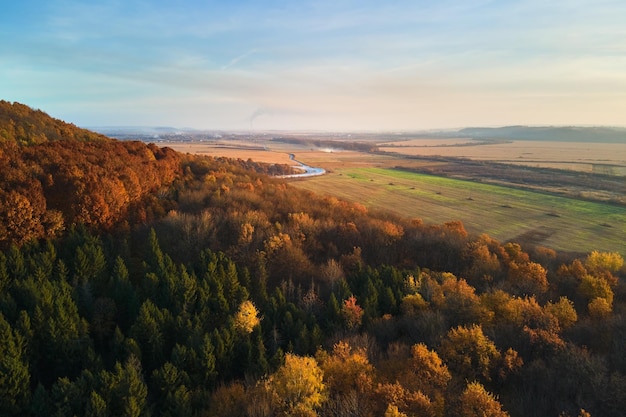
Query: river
[{"x": 309, "y": 171}]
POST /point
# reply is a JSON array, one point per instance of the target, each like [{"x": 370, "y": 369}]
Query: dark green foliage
[{"x": 14, "y": 374}]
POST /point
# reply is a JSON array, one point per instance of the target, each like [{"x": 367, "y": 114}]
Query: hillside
[
  {"x": 180, "y": 285},
  {"x": 26, "y": 126},
  {"x": 548, "y": 133},
  {"x": 54, "y": 175}
]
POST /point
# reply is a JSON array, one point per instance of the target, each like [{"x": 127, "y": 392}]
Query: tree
[
  {"x": 148, "y": 330},
  {"x": 19, "y": 218},
  {"x": 599, "y": 308},
  {"x": 392, "y": 411},
  {"x": 604, "y": 261},
  {"x": 564, "y": 312},
  {"x": 173, "y": 395},
  {"x": 460, "y": 303},
  {"x": 346, "y": 368},
  {"x": 527, "y": 278},
  {"x": 125, "y": 390},
  {"x": 298, "y": 386},
  {"x": 207, "y": 361},
  {"x": 14, "y": 373},
  {"x": 229, "y": 400},
  {"x": 96, "y": 406},
  {"x": 348, "y": 375},
  {"x": 591, "y": 288},
  {"x": 246, "y": 318},
  {"x": 352, "y": 313},
  {"x": 427, "y": 370},
  {"x": 469, "y": 353},
  {"x": 476, "y": 401}
]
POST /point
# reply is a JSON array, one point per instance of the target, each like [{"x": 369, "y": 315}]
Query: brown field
[
  {"x": 577, "y": 156},
  {"x": 232, "y": 150},
  {"x": 600, "y": 158}
]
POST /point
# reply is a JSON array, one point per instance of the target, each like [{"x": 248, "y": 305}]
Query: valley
[{"x": 570, "y": 196}]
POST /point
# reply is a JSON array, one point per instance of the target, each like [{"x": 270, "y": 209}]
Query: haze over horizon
[{"x": 317, "y": 65}]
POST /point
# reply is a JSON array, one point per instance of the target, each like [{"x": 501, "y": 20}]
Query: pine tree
[
  {"x": 207, "y": 361},
  {"x": 96, "y": 406},
  {"x": 5, "y": 278},
  {"x": 14, "y": 372}
]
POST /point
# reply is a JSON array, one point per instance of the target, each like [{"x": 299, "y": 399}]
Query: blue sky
[{"x": 323, "y": 65}]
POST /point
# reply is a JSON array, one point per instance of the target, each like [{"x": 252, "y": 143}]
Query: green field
[{"x": 502, "y": 212}]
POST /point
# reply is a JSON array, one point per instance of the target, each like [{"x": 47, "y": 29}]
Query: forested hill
[
  {"x": 549, "y": 133},
  {"x": 26, "y": 126},
  {"x": 54, "y": 175},
  {"x": 135, "y": 281}
]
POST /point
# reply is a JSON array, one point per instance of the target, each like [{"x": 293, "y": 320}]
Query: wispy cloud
[{"x": 372, "y": 64}]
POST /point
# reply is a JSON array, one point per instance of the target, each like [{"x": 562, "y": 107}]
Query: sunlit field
[
  {"x": 586, "y": 157},
  {"x": 240, "y": 150},
  {"x": 502, "y": 212}
]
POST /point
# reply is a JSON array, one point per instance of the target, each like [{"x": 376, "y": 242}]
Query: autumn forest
[{"x": 138, "y": 281}]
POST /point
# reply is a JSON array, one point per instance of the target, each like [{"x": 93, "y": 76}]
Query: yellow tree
[
  {"x": 424, "y": 375},
  {"x": 428, "y": 371},
  {"x": 392, "y": 411},
  {"x": 349, "y": 378},
  {"x": 469, "y": 353},
  {"x": 476, "y": 401},
  {"x": 564, "y": 312},
  {"x": 604, "y": 261},
  {"x": 298, "y": 386},
  {"x": 247, "y": 317},
  {"x": 346, "y": 369},
  {"x": 592, "y": 288}
]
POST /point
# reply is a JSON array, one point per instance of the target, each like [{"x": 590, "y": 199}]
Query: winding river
[{"x": 309, "y": 171}]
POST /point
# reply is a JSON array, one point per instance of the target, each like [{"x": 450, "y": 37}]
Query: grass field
[{"x": 502, "y": 212}]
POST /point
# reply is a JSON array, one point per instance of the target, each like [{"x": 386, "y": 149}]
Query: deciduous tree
[
  {"x": 476, "y": 401},
  {"x": 299, "y": 386}
]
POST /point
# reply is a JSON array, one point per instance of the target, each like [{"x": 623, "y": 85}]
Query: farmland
[
  {"x": 503, "y": 212},
  {"x": 567, "y": 196},
  {"x": 575, "y": 156}
]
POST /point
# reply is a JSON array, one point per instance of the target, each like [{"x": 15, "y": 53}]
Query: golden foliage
[
  {"x": 346, "y": 369},
  {"x": 591, "y": 288},
  {"x": 413, "y": 303},
  {"x": 298, "y": 385},
  {"x": 413, "y": 402},
  {"x": 604, "y": 261},
  {"x": 527, "y": 278},
  {"x": 564, "y": 312},
  {"x": 469, "y": 353},
  {"x": 392, "y": 411},
  {"x": 427, "y": 369},
  {"x": 476, "y": 401},
  {"x": 247, "y": 317},
  {"x": 599, "y": 308}
]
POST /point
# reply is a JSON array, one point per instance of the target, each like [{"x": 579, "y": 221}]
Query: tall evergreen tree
[{"x": 14, "y": 372}]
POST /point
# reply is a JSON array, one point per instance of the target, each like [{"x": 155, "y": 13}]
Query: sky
[{"x": 356, "y": 65}]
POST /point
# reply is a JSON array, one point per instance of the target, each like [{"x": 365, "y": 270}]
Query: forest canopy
[{"x": 136, "y": 281}]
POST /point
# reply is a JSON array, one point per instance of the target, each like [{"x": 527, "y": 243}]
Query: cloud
[{"x": 237, "y": 59}]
